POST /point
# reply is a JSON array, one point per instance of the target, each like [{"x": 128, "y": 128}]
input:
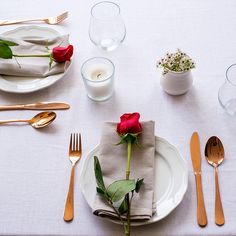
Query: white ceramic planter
[{"x": 177, "y": 83}]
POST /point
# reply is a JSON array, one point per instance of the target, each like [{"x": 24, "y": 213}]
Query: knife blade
[
  {"x": 196, "y": 162},
  {"x": 37, "y": 106}
]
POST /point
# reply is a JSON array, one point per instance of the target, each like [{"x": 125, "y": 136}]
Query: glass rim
[
  {"x": 102, "y": 2},
  {"x": 226, "y": 74},
  {"x": 93, "y": 58}
]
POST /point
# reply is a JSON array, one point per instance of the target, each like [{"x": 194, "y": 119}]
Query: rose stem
[
  {"x": 45, "y": 55},
  {"x": 127, "y": 195}
]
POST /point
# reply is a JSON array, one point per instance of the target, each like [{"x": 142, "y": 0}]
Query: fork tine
[
  {"x": 70, "y": 146},
  {"x": 73, "y": 141},
  {"x": 62, "y": 16},
  {"x": 59, "y": 18},
  {"x": 76, "y": 148},
  {"x": 80, "y": 145},
  {"x": 65, "y": 14}
]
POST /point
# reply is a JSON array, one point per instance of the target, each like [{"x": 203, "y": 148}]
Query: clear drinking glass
[
  {"x": 106, "y": 29},
  {"x": 98, "y": 76},
  {"x": 227, "y": 92}
]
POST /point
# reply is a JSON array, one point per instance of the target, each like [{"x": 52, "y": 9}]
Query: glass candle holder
[
  {"x": 227, "y": 92},
  {"x": 106, "y": 29},
  {"x": 98, "y": 76}
]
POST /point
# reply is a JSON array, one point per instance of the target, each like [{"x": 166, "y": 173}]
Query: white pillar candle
[{"x": 98, "y": 75}]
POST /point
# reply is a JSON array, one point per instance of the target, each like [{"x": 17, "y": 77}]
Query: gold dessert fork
[
  {"x": 74, "y": 155},
  {"x": 49, "y": 20}
]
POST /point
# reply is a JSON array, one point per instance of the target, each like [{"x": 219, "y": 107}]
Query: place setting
[
  {"x": 164, "y": 174},
  {"x": 33, "y": 58},
  {"x": 47, "y": 63},
  {"x": 135, "y": 175},
  {"x": 165, "y": 170},
  {"x": 168, "y": 182}
]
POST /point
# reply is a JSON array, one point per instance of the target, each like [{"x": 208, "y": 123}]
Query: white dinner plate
[
  {"x": 170, "y": 180},
  {"x": 18, "y": 84}
]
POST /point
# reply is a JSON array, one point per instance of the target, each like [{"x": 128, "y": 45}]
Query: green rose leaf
[
  {"x": 123, "y": 208},
  {"x": 8, "y": 43},
  {"x": 133, "y": 138},
  {"x": 98, "y": 174},
  {"x": 100, "y": 191},
  {"x": 118, "y": 189},
  {"x": 5, "y": 51},
  {"x": 138, "y": 185},
  {"x": 122, "y": 141},
  {"x": 50, "y": 61}
]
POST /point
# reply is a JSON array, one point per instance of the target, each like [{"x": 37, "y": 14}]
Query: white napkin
[
  {"x": 33, "y": 66},
  {"x": 113, "y": 160}
]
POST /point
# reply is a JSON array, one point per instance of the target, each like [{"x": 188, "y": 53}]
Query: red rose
[
  {"x": 129, "y": 123},
  {"x": 62, "y": 54}
]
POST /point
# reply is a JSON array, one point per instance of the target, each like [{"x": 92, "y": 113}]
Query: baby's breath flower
[{"x": 178, "y": 61}]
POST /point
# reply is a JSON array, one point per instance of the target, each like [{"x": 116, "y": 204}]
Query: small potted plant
[{"x": 176, "y": 77}]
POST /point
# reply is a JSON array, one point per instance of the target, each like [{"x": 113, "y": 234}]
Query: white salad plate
[
  {"x": 170, "y": 180},
  {"x": 20, "y": 84}
]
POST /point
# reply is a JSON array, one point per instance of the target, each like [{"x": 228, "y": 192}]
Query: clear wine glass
[
  {"x": 227, "y": 92},
  {"x": 106, "y": 29}
]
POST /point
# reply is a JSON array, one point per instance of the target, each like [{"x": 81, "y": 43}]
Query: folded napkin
[
  {"x": 113, "y": 160},
  {"x": 33, "y": 66}
]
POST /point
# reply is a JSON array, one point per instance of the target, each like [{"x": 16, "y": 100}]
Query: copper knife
[
  {"x": 196, "y": 162},
  {"x": 37, "y": 106}
]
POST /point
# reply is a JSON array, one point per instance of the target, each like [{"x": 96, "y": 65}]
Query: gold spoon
[
  {"x": 214, "y": 153},
  {"x": 39, "y": 121}
]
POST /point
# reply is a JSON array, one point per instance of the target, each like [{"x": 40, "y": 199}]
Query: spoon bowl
[
  {"x": 214, "y": 153},
  {"x": 42, "y": 119}
]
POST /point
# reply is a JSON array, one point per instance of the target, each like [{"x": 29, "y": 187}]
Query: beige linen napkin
[
  {"x": 33, "y": 66},
  {"x": 113, "y": 160}
]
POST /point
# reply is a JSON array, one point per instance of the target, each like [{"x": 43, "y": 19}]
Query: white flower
[{"x": 178, "y": 61}]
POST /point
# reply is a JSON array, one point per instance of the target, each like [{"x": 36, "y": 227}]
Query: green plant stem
[
  {"x": 127, "y": 231},
  {"x": 128, "y": 160},
  {"x": 44, "y": 55},
  {"x": 118, "y": 214}
]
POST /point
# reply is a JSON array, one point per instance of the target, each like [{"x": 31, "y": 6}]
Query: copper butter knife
[
  {"x": 37, "y": 106},
  {"x": 196, "y": 161}
]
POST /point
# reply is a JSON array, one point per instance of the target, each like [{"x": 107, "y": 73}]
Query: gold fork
[
  {"x": 74, "y": 155},
  {"x": 50, "y": 20}
]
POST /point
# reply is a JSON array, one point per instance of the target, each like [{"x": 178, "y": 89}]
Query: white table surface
[{"x": 34, "y": 167}]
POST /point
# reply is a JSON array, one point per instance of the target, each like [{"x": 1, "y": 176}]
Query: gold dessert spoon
[
  {"x": 214, "y": 153},
  {"x": 41, "y": 120}
]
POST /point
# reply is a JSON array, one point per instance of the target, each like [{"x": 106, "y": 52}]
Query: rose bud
[
  {"x": 129, "y": 123},
  {"x": 62, "y": 54}
]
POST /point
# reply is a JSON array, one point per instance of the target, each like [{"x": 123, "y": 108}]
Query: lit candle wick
[{"x": 98, "y": 74}]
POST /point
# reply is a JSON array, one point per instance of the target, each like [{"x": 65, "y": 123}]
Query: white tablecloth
[{"x": 34, "y": 167}]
